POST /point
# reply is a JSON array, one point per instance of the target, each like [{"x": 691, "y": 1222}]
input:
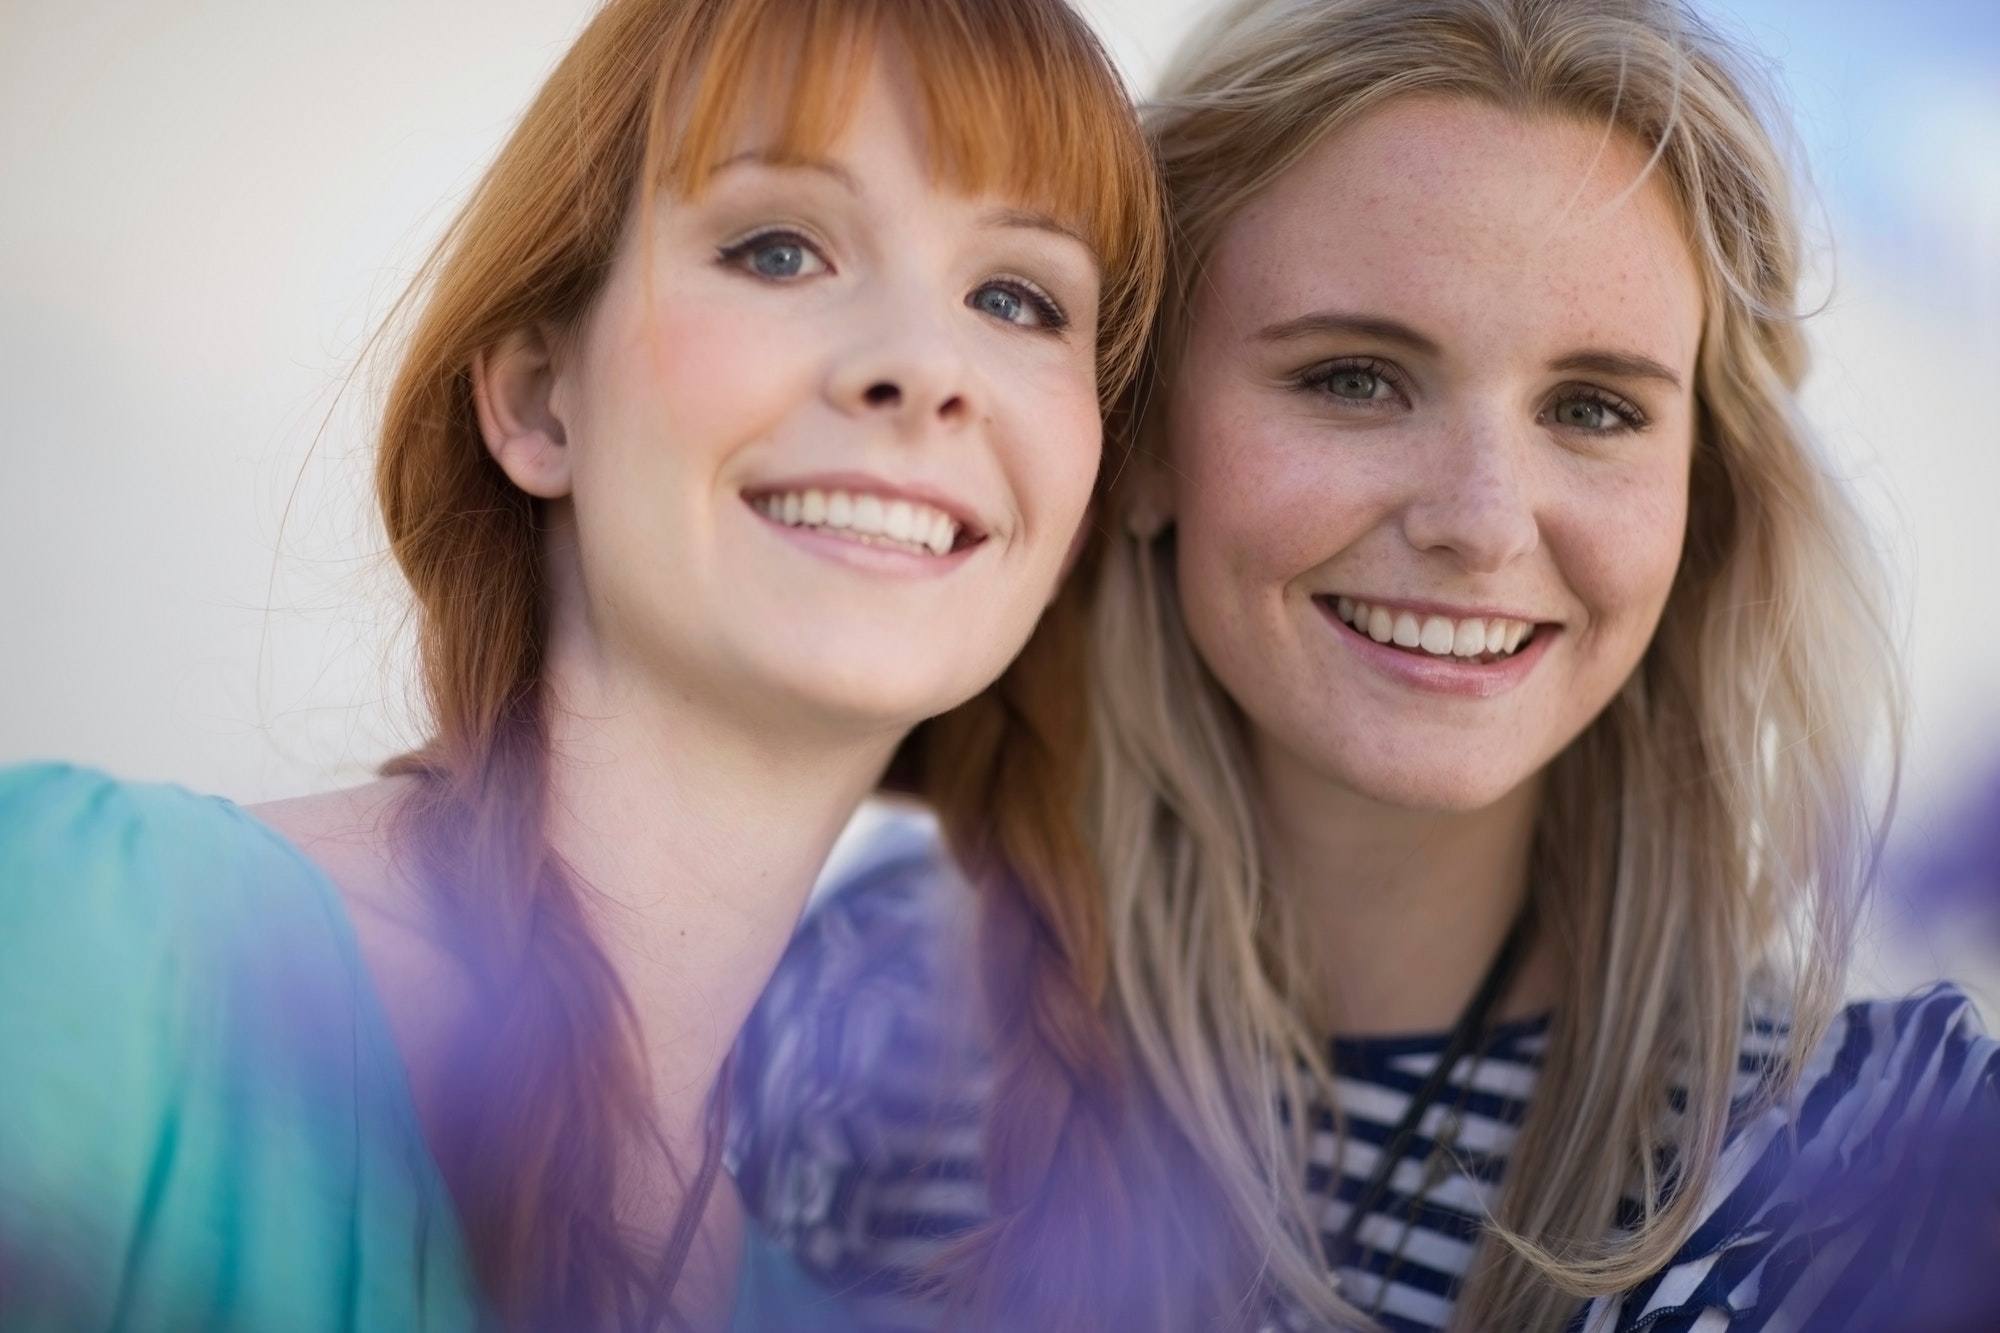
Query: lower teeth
[{"x": 867, "y": 538}]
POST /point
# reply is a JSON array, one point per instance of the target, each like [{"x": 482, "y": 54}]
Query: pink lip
[
  {"x": 1443, "y": 675},
  {"x": 860, "y": 483}
]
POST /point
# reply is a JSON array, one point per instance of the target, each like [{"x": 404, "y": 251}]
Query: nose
[
  {"x": 902, "y": 363},
  {"x": 1476, "y": 498}
]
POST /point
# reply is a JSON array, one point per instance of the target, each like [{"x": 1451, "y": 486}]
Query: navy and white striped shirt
[{"x": 861, "y": 1083}]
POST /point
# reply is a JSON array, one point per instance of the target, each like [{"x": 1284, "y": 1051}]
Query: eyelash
[
  {"x": 738, "y": 252},
  {"x": 1625, "y": 410},
  {"x": 1052, "y": 316},
  {"x": 1054, "y": 319},
  {"x": 1316, "y": 379}
]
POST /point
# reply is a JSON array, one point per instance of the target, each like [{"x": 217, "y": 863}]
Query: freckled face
[
  {"x": 833, "y": 429},
  {"x": 1430, "y": 445}
]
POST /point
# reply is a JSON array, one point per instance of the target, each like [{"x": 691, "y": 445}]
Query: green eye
[
  {"x": 1356, "y": 381},
  {"x": 1356, "y": 384},
  {"x": 1594, "y": 415}
]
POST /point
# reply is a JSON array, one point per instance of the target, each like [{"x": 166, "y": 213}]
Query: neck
[
  {"x": 1400, "y": 911},
  {"x": 694, "y": 843}
]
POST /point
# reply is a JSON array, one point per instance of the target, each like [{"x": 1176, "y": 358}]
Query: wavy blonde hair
[{"x": 1701, "y": 847}]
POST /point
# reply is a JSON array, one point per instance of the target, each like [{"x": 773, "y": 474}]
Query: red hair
[
  {"x": 550, "y": 1088},
  {"x": 1065, "y": 1249},
  {"x": 1004, "y": 772}
]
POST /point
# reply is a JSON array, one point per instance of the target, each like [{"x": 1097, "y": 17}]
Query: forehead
[
  {"x": 870, "y": 109},
  {"x": 1452, "y": 214},
  {"x": 799, "y": 93}
]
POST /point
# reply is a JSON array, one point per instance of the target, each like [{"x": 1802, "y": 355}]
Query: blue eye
[
  {"x": 999, "y": 303},
  {"x": 779, "y": 260},
  {"x": 778, "y": 255},
  {"x": 1017, "y": 302}
]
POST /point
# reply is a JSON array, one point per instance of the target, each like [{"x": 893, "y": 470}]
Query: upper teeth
[
  {"x": 1440, "y": 636},
  {"x": 878, "y": 521}
]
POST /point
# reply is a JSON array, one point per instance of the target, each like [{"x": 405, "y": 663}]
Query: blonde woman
[{"x": 1485, "y": 677}]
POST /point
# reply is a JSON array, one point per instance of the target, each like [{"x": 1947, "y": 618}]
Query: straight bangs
[{"x": 1019, "y": 102}]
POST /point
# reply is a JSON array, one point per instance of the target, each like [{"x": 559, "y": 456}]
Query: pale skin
[
  {"x": 728, "y": 687},
  {"x": 1443, "y": 366}
]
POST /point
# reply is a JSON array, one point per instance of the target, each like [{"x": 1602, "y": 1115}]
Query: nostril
[{"x": 883, "y": 394}]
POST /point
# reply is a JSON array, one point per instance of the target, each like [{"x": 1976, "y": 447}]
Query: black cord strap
[{"x": 1465, "y": 1034}]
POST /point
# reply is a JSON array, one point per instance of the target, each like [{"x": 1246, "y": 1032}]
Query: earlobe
[
  {"x": 513, "y": 392},
  {"x": 1149, "y": 499}
]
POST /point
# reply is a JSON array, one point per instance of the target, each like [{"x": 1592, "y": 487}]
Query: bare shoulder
[{"x": 351, "y": 835}]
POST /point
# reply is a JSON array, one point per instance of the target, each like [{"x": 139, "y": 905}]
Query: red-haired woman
[{"x": 751, "y": 412}]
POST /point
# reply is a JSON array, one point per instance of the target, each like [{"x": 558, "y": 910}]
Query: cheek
[
  {"x": 1079, "y": 451},
  {"x": 1049, "y": 419},
  {"x": 696, "y": 377},
  {"x": 1258, "y": 499},
  {"x": 1240, "y": 537},
  {"x": 1626, "y": 544},
  {"x": 670, "y": 393}
]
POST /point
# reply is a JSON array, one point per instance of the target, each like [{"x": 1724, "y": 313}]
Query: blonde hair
[
  {"x": 549, "y": 1096},
  {"x": 1701, "y": 846}
]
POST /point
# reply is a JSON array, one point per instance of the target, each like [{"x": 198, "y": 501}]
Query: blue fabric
[{"x": 1869, "y": 1203}]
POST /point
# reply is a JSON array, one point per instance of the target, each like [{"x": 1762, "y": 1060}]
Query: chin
[
  {"x": 1441, "y": 783},
  {"x": 872, "y": 695}
]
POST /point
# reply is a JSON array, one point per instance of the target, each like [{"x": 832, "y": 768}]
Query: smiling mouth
[
  {"x": 870, "y": 520},
  {"x": 1476, "y": 641}
]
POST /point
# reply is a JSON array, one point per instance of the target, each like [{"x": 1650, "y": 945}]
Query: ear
[
  {"x": 513, "y": 391},
  {"x": 1148, "y": 500}
]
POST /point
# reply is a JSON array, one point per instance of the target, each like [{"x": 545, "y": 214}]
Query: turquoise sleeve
[
  {"x": 775, "y": 1295},
  {"x": 203, "y": 1122}
]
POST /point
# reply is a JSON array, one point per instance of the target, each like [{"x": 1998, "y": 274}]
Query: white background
[{"x": 206, "y": 206}]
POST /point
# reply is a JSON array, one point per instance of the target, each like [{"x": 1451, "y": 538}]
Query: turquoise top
[{"x": 204, "y": 1120}]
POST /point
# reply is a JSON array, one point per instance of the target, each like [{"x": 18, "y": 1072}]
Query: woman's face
[
  {"x": 825, "y": 438},
  {"x": 1430, "y": 444}
]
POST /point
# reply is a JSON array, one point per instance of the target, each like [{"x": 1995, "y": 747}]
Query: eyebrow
[
  {"x": 1627, "y": 365},
  {"x": 1323, "y": 322},
  {"x": 1021, "y": 218},
  {"x": 823, "y": 166},
  {"x": 1029, "y": 220},
  {"x": 1596, "y": 361}
]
